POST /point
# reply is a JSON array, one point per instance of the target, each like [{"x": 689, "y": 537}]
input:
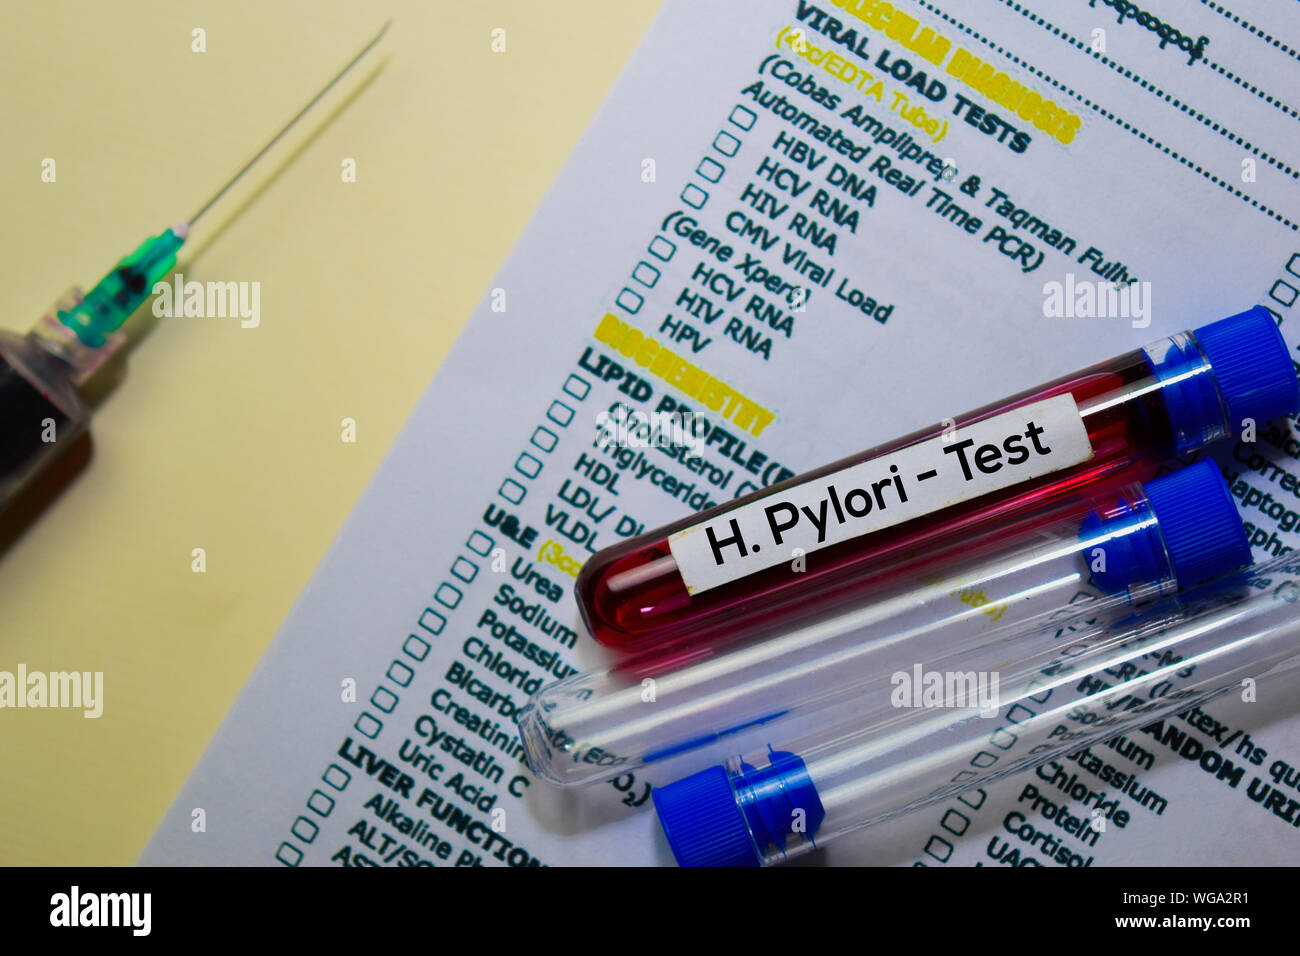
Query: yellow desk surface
[{"x": 227, "y": 438}]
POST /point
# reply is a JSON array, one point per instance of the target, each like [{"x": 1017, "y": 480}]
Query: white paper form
[{"x": 924, "y": 173}]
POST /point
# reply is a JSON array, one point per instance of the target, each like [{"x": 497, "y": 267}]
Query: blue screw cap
[
  {"x": 712, "y": 820},
  {"x": 1252, "y": 364},
  {"x": 1200, "y": 523},
  {"x": 703, "y": 823},
  {"x": 1221, "y": 374},
  {"x": 1189, "y": 521}
]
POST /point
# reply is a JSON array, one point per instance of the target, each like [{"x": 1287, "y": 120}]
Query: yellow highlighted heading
[
  {"x": 669, "y": 367},
  {"x": 996, "y": 85}
]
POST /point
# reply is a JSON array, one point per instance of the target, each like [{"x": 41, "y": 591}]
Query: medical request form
[{"x": 813, "y": 225}]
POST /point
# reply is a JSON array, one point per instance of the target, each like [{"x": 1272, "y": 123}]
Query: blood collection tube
[
  {"x": 821, "y": 538},
  {"x": 1134, "y": 546},
  {"x": 1055, "y": 698}
]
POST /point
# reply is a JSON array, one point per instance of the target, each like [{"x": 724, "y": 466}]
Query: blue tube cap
[
  {"x": 1200, "y": 523},
  {"x": 1215, "y": 377},
  {"x": 1252, "y": 365},
  {"x": 1189, "y": 523},
  {"x": 703, "y": 823},
  {"x": 712, "y": 820}
]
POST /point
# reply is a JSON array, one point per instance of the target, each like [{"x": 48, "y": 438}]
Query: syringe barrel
[
  {"x": 1082, "y": 558},
  {"x": 1057, "y": 697},
  {"x": 42, "y": 410}
]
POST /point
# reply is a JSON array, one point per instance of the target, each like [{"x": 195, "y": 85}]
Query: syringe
[{"x": 42, "y": 409}]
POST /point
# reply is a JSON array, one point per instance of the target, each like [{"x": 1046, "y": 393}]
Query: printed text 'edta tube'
[
  {"x": 1059, "y": 696},
  {"x": 817, "y": 538},
  {"x": 1097, "y": 558}
]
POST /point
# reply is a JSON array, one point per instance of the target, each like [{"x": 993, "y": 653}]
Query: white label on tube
[{"x": 1007, "y": 449}]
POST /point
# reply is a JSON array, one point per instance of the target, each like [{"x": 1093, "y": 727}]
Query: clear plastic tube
[
  {"x": 1054, "y": 697},
  {"x": 1133, "y": 546},
  {"x": 703, "y": 580}
]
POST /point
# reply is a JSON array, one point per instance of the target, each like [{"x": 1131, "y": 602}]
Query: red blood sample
[{"x": 633, "y": 597}]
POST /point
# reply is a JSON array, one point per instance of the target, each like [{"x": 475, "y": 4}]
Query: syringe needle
[
  {"x": 101, "y": 312},
  {"x": 287, "y": 126},
  {"x": 73, "y": 339}
]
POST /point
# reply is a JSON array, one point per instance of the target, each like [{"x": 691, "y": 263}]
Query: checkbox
[
  {"x": 646, "y": 274},
  {"x": 726, "y": 144},
  {"x": 480, "y": 544},
  {"x": 464, "y": 569},
  {"x": 414, "y": 647},
  {"x": 400, "y": 674},
  {"x": 288, "y": 854},
  {"x": 512, "y": 491},
  {"x": 629, "y": 301},
  {"x": 577, "y": 386},
  {"x": 545, "y": 439},
  {"x": 368, "y": 725},
  {"x": 528, "y": 466},
  {"x": 973, "y": 798},
  {"x": 560, "y": 413},
  {"x": 337, "y": 777},
  {"x": 1288, "y": 302},
  {"x": 448, "y": 595},
  {"x": 742, "y": 117},
  {"x": 711, "y": 169},
  {"x": 955, "y": 822},
  {"x": 1018, "y": 713},
  {"x": 938, "y": 848},
  {"x": 661, "y": 248},
  {"x": 432, "y": 621},
  {"x": 694, "y": 196},
  {"x": 1003, "y": 739},
  {"x": 304, "y": 829},
  {"x": 320, "y": 803},
  {"x": 384, "y": 699},
  {"x": 983, "y": 759}
]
